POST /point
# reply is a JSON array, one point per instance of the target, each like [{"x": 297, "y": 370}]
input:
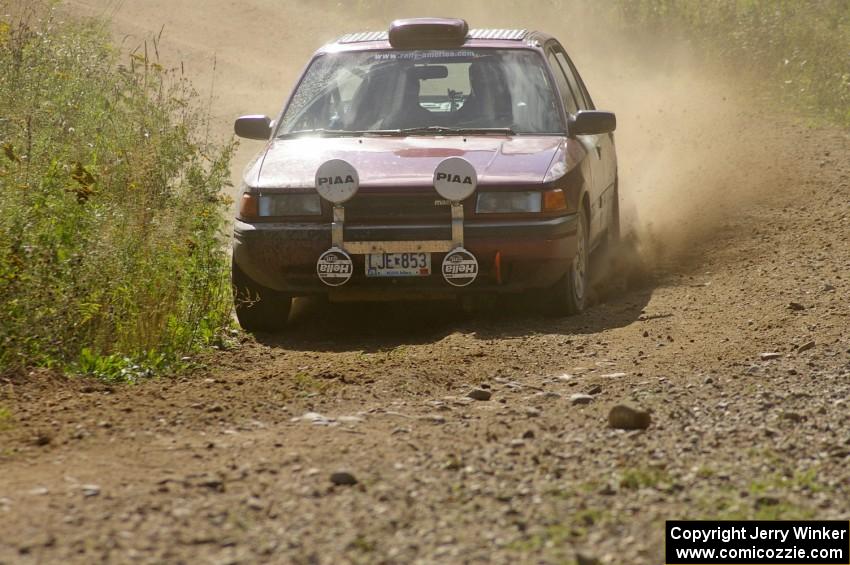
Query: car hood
[{"x": 407, "y": 161}]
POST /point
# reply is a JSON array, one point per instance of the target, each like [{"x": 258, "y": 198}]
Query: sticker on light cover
[
  {"x": 460, "y": 267},
  {"x": 337, "y": 181},
  {"x": 455, "y": 179},
  {"x": 334, "y": 267}
]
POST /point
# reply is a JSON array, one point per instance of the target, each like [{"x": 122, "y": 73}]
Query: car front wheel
[
  {"x": 569, "y": 295},
  {"x": 258, "y": 309}
]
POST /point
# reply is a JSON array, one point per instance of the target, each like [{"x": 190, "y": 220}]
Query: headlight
[
  {"x": 271, "y": 205},
  {"x": 508, "y": 202}
]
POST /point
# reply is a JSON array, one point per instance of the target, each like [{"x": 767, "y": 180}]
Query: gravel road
[{"x": 417, "y": 433}]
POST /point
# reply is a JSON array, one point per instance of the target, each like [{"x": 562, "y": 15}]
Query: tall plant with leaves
[
  {"x": 112, "y": 206},
  {"x": 801, "y": 48}
]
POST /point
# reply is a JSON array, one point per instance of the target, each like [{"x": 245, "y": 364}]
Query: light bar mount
[{"x": 455, "y": 179}]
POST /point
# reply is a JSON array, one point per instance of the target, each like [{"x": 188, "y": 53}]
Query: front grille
[{"x": 425, "y": 206}]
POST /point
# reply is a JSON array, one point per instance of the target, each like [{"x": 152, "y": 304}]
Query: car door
[
  {"x": 606, "y": 169},
  {"x": 591, "y": 165}
]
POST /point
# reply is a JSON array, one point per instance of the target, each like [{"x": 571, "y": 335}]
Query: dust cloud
[{"x": 692, "y": 153}]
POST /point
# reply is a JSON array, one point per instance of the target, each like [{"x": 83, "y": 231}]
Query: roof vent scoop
[{"x": 417, "y": 33}]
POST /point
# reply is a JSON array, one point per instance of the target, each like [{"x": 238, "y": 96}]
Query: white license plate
[{"x": 398, "y": 265}]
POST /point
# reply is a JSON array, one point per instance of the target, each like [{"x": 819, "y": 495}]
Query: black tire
[
  {"x": 614, "y": 227},
  {"x": 606, "y": 261},
  {"x": 258, "y": 309},
  {"x": 609, "y": 245},
  {"x": 569, "y": 295}
]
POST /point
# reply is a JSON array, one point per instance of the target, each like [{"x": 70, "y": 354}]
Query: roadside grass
[
  {"x": 552, "y": 540},
  {"x": 705, "y": 473},
  {"x": 564, "y": 527},
  {"x": 306, "y": 385},
  {"x": 7, "y": 420},
  {"x": 551, "y": 537},
  {"x": 780, "y": 495},
  {"x": 363, "y": 544},
  {"x": 797, "y": 52},
  {"x": 798, "y": 481},
  {"x": 112, "y": 245},
  {"x": 637, "y": 478},
  {"x": 728, "y": 505}
]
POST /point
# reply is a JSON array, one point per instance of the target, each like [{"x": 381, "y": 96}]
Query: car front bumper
[{"x": 532, "y": 254}]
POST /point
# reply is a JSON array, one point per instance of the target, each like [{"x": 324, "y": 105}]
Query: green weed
[
  {"x": 112, "y": 231},
  {"x": 705, "y": 473},
  {"x": 307, "y": 384},
  {"x": 798, "y": 51},
  {"x": 363, "y": 544},
  {"x": 769, "y": 498},
  {"x": 7, "y": 421},
  {"x": 635, "y": 478}
]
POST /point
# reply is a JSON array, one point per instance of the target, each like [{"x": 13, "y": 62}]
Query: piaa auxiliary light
[{"x": 337, "y": 181}]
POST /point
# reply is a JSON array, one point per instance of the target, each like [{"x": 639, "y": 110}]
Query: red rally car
[{"x": 427, "y": 161}]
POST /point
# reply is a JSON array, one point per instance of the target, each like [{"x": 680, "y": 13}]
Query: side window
[
  {"x": 582, "y": 87},
  {"x": 563, "y": 85},
  {"x": 571, "y": 79}
]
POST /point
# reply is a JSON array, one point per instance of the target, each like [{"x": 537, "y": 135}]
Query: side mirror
[
  {"x": 592, "y": 122},
  {"x": 253, "y": 127}
]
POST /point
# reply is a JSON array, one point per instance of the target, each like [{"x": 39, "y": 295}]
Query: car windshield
[{"x": 427, "y": 91}]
